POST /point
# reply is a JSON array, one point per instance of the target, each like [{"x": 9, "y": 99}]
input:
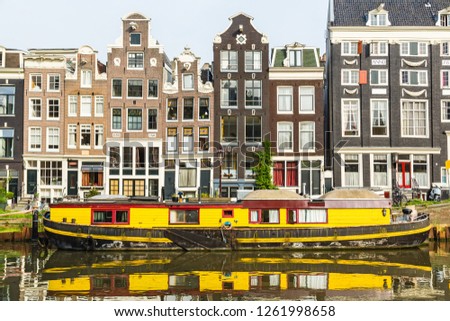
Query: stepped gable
[
  {"x": 278, "y": 195},
  {"x": 350, "y": 194}
]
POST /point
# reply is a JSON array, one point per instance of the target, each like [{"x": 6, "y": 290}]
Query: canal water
[{"x": 31, "y": 273}]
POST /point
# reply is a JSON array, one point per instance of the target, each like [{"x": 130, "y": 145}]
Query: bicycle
[{"x": 398, "y": 197}]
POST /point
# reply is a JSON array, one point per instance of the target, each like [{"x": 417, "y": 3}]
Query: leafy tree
[{"x": 263, "y": 170}]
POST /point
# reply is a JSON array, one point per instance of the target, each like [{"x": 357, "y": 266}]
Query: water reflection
[{"x": 31, "y": 273}]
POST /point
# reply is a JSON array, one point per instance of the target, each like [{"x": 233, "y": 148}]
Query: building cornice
[{"x": 289, "y": 73}]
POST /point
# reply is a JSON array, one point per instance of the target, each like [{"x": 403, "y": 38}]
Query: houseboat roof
[
  {"x": 350, "y": 194},
  {"x": 281, "y": 195}
]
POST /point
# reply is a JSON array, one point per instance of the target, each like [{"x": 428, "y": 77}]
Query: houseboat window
[
  {"x": 183, "y": 217},
  {"x": 312, "y": 216},
  {"x": 265, "y": 216},
  {"x": 227, "y": 213},
  {"x": 292, "y": 216},
  {"x": 111, "y": 216}
]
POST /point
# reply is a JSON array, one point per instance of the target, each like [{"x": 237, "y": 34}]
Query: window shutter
[
  {"x": 360, "y": 47},
  {"x": 363, "y": 77}
]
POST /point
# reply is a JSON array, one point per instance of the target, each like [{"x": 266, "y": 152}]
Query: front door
[
  {"x": 404, "y": 174},
  {"x": 31, "y": 181},
  {"x": 72, "y": 183}
]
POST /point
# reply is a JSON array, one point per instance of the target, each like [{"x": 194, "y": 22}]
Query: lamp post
[
  {"x": 220, "y": 154},
  {"x": 7, "y": 176}
]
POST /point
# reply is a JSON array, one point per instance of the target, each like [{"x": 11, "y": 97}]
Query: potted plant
[
  {"x": 174, "y": 197},
  {"x": 9, "y": 198},
  {"x": 3, "y": 199}
]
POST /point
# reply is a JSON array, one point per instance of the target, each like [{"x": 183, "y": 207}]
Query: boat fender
[{"x": 227, "y": 225}]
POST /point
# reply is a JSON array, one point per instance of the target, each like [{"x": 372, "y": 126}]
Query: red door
[{"x": 404, "y": 174}]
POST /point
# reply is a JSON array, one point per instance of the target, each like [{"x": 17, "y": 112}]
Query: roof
[
  {"x": 279, "y": 195},
  {"x": 350, "y": 194},
  {"x": 401, "y": 12}
]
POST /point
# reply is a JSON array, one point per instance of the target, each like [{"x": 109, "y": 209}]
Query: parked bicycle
[{"x": 398, "y": 197}]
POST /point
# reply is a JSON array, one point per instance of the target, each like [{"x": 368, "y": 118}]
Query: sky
[{"x": 176, "y": 24}]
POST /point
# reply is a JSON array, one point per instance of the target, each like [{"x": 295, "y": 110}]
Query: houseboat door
[{"x": 404, "y": 174}]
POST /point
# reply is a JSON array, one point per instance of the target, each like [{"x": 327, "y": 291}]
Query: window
[
  {"x": 114, "y": 187},
  {"x": 414, "y": 119},
  {"x": 128, "y": 157},
  {"x": 35, "y": 138},
  {"x": 98, "y": 136},
  {"x": 285, "y": 173},
  {"x": 86, "y": 78},
  {"x": 378, "y": 19},
  {"x": 351, "y": 170},
  {"x": 271, "y": 216},
  {"x": 188, "y": 140},
  {"x": 379, "y": 48},
  {"x": 52, "y": 139},
  {"x": 188, "y": 174},
  {"x": 188, "y": 108},
  {"x": 379, "y": 112},
  {"x": 350, "y": 77},
  {"x": 135, "y": 39},
  {"x": 253, "y": 129},
  {"x": 445, "y": 49},
  {"x": 51, "y": 173},
  {"x": 228, "y": 129},
  {"x": 153, "y": 187},
  {"x": 152, "y": 119},
  {"x": 153, "y": 157},
  {"x": 172, "y": 140},
  {"x": 86, "y": 106},
  {"x": 227, "y": 213},
  {"x": 307, "y": 135},
  {"x": 91, "y": 174},
  {"x": 85, "y": 136},
  {"x": 444, "y": 177},
  {"x": 116, "y": 119},
  {"x": 253, "y": 93},
  {"x": 284, "y": 99},
  {"x": 306, "y": 99},
  {"x": 379, "y": 77},
  {"x": 420, "y": 170},
  {"x": 134, "y": 187},
  {"x": 53, "y": 109},
  {"x": 445, "y": 110},
  {"x": 228, "y": 61},
  {"x": 73, "y": 106},
  {"x": 35, "y": 82},
  {"x": 285, "y": 137},
  {"x": 183, "y": 217},
  {"x": 380, "y": 170},
  {"x": 6, "y": 143},
  {"x": 349, "y": 48},
  {"x": 445, "y": 79},
  {"x": 135, "y": 88},
  {"x": 53, "y": 82},
  {"x": 229, "y": 165},
  {"x": 444, "y": 20},
  {"x": 413, "y": 49},
  {"x": 35, "y": 108},
  {"x": 116, "y": 88},
  {"x": 251, "y": 160},
  {"x": 414, "y": 78},
  {"x": 203, "y": 136},
  {"x": 72, "y": 136},
  {"x": 203, "y": 108},
  {"x": 228, "y": 93},
  {"x": 99, "y": 105},
  {"x": 172, "y": 109},
  {"x": 350, "y": 117},
  {"x": 188, "y": 82},
  {"x": 253, "y": 61},
  {"x": 134, "y": 119},
  {"x": 312, "y": 216},
  {"x": 135, "y": 60},
  {"x": 110, "y": 216},
  {"x": 153, "y": 88},
  {"x": 7, "y": 100},
  {"x": 295, "y": 58}
]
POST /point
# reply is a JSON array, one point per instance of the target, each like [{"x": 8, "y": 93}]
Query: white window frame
[
  {"x": 48, "y": 109},
  {"x": 377, "y": 19},
  {"x": 422, "y": 77},
  {"x": 306, "y": 92},
  {"x": 349, "y": 48},
  {"x": 85, "y": 128},
  {"x": 291, "y": 131},
  {"x": 226, "y": 60},
  {"x": 290, "y": 94},
  {"x": 72, "y": 109},
  {"x": 402, "y": 120},
  {"x": 135, "y": 53},
  {"x": 99, "y": 106},
  {"x": 72, "y": 136},
  {"x": 53, "y": 136},
  {"x": 86, "y": 78},
  {"x": 84, "y": 101},
  {"x": 252, "y": 56},
  {"x": 379, "y": 48},
  {"x": 372, "y": 107},
  {"x": 360, "y": 170},
  {"x": 49, "y": 82},
  {"x": 445, "y": 110},
  {"x": 373, "y": 162},
  {"x": 148, "y": 89},
  {"x": 186, "y": 84},
  {"x": 35, "y": 88},
  {"x": 188, "y": 141},
  {"x": 142, "y": 88},
  {"x": 310, "y": 131},
  {"x": 350, "y": 104},
  {"x": 422, "y": 49},
  {"x": 99, "y": 136},
  {"x": 112, "y": 88},
  {"x": 350, "y": 77},
  {"x": 112, "y": 119},
  {"x": 225, "y": 99},
  {"x": 445, "y": 78},
  {"x": 253, "y": 87},
  {"x": 30, "y": 109},
  {"x": 382, "y": 76},
  {"x": 38, "y": 134},
  {"x": 445, "y": 49}
]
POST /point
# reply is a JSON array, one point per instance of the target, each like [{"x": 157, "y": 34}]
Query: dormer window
[
  {"x": 295, "y": 58},
  {"x": 444, "y": 18},
  {"x": 378, "y": 17}
]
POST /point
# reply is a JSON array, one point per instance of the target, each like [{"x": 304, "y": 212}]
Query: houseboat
[{"x": 264, "y": 219}]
